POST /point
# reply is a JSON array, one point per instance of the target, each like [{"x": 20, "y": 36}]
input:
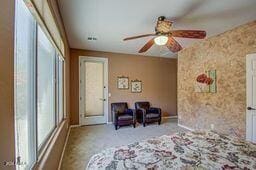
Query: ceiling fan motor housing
[
  {"x": 161, "y": 18},
  {"x": 163, "y": 26}
]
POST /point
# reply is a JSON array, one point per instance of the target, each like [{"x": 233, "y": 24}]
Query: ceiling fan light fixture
[{"x": 161, "y": 40}]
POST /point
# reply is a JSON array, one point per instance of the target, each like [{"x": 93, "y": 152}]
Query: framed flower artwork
[
  {"x": 122, "y": 82},
  {"x": 136, "y": 86}
]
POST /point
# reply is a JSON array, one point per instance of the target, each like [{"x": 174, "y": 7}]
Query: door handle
[
  {"x": 250, "y": 108},
  {"x": 103, "y": 99}
]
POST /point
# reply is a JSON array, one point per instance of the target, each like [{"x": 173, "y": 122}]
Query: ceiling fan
[{"x": 164, "y": 36}]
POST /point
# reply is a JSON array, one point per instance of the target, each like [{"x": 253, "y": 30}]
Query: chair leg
[
  {"x": 144, "y": 124},
  {"x": 116, "y": 127},
  {"x": 159, "y": 122},
  {"x": 134, "y": 125}
]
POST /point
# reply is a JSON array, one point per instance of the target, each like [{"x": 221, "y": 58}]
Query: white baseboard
[
  {"x": 74, "y": 126},
  {"x": 170, "y": 117},
  {"x": 64, "y": 148},
  {"x": 166, "y": 117},
  {"x": 185, "y": 127}
]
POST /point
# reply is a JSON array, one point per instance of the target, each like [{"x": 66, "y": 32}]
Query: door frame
[
  {"x": 248, "y": 97},
  {"x": 81, "y": 90}
]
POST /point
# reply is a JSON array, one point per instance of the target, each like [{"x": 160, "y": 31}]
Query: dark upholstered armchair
[
  {"x": 122, "y": 115},
  {"x": 146, "y": 114}
]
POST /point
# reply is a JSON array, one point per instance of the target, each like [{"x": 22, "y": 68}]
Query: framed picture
[
  {"x": 122, "y": 82},
  {"x": 136, "y": 86}
]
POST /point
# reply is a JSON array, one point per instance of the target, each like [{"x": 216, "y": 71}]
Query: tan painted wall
[
  {"x": 7, "y": 150},
  {"x": 227, "y": 54},
  {"x": 158, "y": 77}
]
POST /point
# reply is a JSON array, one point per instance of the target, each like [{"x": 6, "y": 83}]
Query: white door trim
[
  {"x": 81, "y": 90},
  {"x": 249, "y": 121}
]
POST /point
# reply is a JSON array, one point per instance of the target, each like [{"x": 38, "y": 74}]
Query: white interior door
[
  {"x": 93, "y": 90},
  {"x": 251, "y": 97}
]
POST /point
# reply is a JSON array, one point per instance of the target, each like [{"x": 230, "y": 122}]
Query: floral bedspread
[{"x": 192, "y": 150}]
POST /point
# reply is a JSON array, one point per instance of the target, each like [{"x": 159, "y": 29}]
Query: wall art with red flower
[{"x": 206, "y": 82}]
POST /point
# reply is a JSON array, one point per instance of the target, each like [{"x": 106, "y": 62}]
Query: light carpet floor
[{"x": 84, "y": 142}]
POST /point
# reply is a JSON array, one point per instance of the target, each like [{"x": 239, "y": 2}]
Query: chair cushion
[
  {"x": 152, "y": 115},
  {"x": 125, "y": 117}
]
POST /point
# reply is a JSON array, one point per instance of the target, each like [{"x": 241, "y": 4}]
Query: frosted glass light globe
[{"x": 161, "y": 40}]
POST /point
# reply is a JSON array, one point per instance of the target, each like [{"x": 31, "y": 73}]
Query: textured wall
[
  {"x": 158, "y": 75},
  {"x": 226, "y": 53}
]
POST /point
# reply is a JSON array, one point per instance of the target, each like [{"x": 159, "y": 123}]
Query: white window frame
[
  {"x": 58, "y": 61},
  {"x": 50, "y": 134}
]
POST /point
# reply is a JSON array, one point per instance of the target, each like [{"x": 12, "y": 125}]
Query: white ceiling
[{"x": 112, "y": 20}]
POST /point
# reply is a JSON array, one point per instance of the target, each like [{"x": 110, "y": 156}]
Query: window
[
  {"x": 24, "y": 87},
  {"x": 45, "y": 87},
  {"x": 39, "y": 88},
  {"x": 60, "y": 89}
]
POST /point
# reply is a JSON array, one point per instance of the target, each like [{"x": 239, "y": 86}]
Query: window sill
[{"x": 46, "y": 150}]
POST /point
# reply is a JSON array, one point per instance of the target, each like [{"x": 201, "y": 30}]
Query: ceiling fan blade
[
  {"x": 173, "y": 45},
  {"x": 139, "y": 36},
  {"x": 147, "y": 46},
  {"x": 198, "y": 34}
]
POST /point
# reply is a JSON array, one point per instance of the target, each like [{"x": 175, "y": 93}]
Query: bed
[{"x": 190, "y": 150}]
